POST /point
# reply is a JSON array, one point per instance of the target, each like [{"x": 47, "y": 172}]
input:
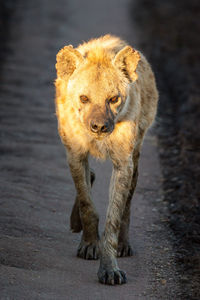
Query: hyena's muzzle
[{"x": 100, "y": 121}]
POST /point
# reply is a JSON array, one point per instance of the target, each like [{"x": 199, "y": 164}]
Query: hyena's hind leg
[
  {"x": 124, "y": 247},
  {"x": 75, "y": 219}
]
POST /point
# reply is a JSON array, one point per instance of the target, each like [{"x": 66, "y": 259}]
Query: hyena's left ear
[
  {"x": 127, "y": 60},
  {"x": 68, "y": 60}
]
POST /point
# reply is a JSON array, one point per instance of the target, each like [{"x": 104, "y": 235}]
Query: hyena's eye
[
  {"x": 84, "y": 99},
  {"x": 114, "y": 99}
]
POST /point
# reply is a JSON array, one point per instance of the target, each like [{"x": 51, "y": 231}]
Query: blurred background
[
  {"x": 167, "y": 32},
  {"x": 170, "y": 31}
]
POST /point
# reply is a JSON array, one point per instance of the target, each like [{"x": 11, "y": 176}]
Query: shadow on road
[{"x": 171, "y": 40}]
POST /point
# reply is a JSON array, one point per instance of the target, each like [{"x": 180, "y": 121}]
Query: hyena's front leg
[
  {"x": 124, "y": 247},
  {"x": 88, "y": 248},
  {"x": 109, "y": 272}
]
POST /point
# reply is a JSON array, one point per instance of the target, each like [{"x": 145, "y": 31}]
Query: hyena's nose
[{"x": 98, "y": 128}]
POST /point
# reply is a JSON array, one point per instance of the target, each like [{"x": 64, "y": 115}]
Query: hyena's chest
[{"x": 99, "y": 149}]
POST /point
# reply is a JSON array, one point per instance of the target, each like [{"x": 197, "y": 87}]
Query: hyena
[{"x": 106, "y": 99}]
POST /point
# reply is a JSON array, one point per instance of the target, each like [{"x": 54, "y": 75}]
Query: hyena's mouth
[{"x": 101, "y": 136}]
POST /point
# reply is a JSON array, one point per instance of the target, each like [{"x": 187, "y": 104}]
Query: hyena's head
[{"x": 97, "y": 85}]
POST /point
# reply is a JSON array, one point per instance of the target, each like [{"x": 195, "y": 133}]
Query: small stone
[
  {"x": 184, "y": 279},
  {"x": 163, "y": 281}
]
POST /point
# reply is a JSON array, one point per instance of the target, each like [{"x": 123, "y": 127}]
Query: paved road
[{"x": 38, "y": 251}]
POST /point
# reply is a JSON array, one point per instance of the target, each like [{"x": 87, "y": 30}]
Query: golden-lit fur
[{"x": 97, "y": 72}]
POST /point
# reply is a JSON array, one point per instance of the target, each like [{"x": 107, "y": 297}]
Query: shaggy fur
[{"x": 106, "y": 99}]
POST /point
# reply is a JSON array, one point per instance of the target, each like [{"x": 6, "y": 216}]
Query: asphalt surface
[{"x": 37, "y": 250}]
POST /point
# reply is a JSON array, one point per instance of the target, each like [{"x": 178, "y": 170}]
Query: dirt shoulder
[{"x": 171, "y": 39}]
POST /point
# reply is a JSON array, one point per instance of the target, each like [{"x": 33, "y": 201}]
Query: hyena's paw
[
  {"x": 111, "y": 276},
  {"x": 88, "y": 250},
  {"x": 124, "y": 250}
]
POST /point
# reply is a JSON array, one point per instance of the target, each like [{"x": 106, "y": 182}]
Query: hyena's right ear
[{"x": 68, "y": 60}]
